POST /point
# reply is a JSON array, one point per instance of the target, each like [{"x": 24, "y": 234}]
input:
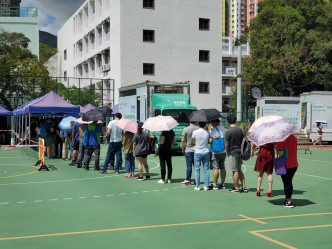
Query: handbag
[
  {"x": 218, "y": 144},
  {"x": 280, "y": 163}
]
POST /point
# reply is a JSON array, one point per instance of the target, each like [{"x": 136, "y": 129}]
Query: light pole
[{"x": 239, "y": 68}]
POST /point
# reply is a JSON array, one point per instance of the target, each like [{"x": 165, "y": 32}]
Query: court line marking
[
  {"x": 253, "y": 219},
  {"x": 20, "y": 165},
  {"x": 305, "y": 159},
  {"x": 68, "y": 180},
  {"x": 257, "y": 233},
  {"x": 155, "y": 226}
]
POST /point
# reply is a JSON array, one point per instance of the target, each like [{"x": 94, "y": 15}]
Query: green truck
[{"x": 150, "y": 99}]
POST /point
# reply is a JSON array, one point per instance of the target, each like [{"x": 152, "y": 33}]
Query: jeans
[
  {"x": 166, "y": 159},
  {"x": 190, "y": 162},
  {"x": 198, "y": 159},
  {"x": 81, "y": 153},
  {"x": 129, "y": 162},
  {"x": 287, "y": 180},
  {"x": 113, "y": 148},
  {"x": 89, "y": 150}
]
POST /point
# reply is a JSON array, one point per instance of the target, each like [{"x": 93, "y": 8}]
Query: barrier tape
[{"x": 5, "y": 130}]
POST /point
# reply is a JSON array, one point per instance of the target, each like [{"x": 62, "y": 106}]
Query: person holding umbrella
[
  {"x": 320, "y": 135},
  {"x": 141, "y": 149}
]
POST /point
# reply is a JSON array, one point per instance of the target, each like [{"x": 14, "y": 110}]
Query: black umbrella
[
  {"x": 204, "y": 115},
  {"x": 105, "y": 110},
  {"x": 92, "y": 115}
]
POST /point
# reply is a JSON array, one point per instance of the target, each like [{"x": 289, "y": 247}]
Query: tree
[
  {"x": 45, "y": 52},
  {"x": 83, "y": 96},
  {"x": 291, "y": 47}
]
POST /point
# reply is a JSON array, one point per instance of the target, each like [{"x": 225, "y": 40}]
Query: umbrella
[
  {"x": 127, "y": 125},
  {"x": 261, "y": 120},
  {"x": 204, "y": 115},
  {"x": 271, "y": 132},
  {"x": 92, "y": 115},
  {"x": 321, "y": 121},
  {"x": 160, "y": 123},
  {"x": 64, "y": 125},
  {"x": 104, "y": 110},
  {"x": 80, "y": 121}
]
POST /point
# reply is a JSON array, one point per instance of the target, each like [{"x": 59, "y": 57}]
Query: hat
[{"x": 140, "y": 124}]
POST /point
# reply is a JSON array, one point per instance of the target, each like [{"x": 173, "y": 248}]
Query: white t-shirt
[
  {"x": 201, "y": 140},
  {"x": 116, "y": 132}
]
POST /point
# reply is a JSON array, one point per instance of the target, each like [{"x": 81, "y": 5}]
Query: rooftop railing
[{"x": 19, "y": 12}]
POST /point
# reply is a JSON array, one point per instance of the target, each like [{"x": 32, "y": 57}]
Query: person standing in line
[
  {"x": 188, "y": 149},
  {"x": 141, "y": 150},
  {"x": 320, "y": 135},
  {"x": 218, "y": 158},
  {"x": 75, "y": 139},
  {"x": 65, "y": 136},
  {"x": 201, "y": 139},
  {"x": 233, "y": 140},
  {"x": 127, "y": 144},
  {"x": 291, "y": 166},
  {"x": 92, "y": 142},
  {"x": 264, "y": 163},
  {"x": 167, "y": 139},
  {"x": 82, "y": 148},
  {"x": 115, "y": 145}
]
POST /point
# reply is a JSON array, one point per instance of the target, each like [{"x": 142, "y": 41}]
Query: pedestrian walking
[
  {"x": 115, "y": 144},
  {"x": 233, "y": 140},
  {"x": 141, "y": 150},
  {"x": 202, "y": 154},
  {"x": 188, "y": 149},
  {"x": 167, "y": 139},
  {"x": 320, "y": 135}
]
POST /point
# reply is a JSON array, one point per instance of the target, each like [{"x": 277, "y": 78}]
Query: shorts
[
  {"x": 143, "y": 156},
  {"x": 234, "y": 162},
  {"x": 76, "y": 145},
  {"x": 218, "y": 161},
  {"x": 48, "y": 140}
]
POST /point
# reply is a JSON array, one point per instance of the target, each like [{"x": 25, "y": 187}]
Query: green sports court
[{"x": 68, "y": 207}]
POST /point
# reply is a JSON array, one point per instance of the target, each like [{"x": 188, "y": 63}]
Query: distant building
[
  {"x": 9, "y": 7},
  {"x": 130, "y": 42},
  {"x": 26, "y": 22}
]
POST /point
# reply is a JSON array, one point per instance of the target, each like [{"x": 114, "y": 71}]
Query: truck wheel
[{"x": 156, "y": 148}]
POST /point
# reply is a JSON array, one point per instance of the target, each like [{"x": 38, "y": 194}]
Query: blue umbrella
[
  {"x": 321, "y": 121},
  {"x": 64, "y": 125}
]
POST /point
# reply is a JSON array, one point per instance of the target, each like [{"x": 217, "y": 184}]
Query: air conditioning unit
[{"x": 106, "y": 67}]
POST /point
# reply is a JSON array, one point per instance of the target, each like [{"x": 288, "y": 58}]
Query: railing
[
  {"x": 227, "y": 90},
  {"x": 229, "y": 71},
  {"x": 19, "y": 12},
  {"x": 229, "y": 48}
]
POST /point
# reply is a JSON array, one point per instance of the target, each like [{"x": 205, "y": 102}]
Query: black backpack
[{"x": 245, "y": 148}]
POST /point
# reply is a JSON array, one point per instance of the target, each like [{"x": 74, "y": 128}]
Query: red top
[{"x": 291, "y": 144}]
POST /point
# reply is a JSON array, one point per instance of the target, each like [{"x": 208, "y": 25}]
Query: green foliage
[
  {"x": 45, "y": 52},
  {"x": 83, "y": 96},
  {"x": 291, "y": 47}
]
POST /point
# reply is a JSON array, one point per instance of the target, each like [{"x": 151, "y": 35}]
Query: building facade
[
  {"x": 9, "y": 7},
  {"x": 133, "y": 41}
]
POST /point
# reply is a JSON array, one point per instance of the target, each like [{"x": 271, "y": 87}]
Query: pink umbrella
[
  {"x": 80, "y": 120},
  {"x": 127, "y": 125},
  {"x": 271, "y": 132},
  {"x": 160, "y": 123},
  {"x": 264, "y": 119}
]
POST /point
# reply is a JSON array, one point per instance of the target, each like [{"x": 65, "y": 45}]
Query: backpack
[
  {"x": 218, "y": 144},
  {"x": 245, "y": 148}
]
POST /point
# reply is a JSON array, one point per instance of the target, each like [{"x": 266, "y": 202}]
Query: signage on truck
[
  {"x": 323, "y": 112},
  {"x": 290, "y": 113},
  {"x": 127, "y": 107}
]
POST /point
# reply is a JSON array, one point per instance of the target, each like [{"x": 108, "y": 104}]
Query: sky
[{"x": 53, "y": 13}]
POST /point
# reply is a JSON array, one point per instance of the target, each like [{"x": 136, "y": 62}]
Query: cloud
[{"x": 53, "y": 14}]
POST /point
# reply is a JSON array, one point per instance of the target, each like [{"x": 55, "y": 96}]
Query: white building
[{"x": 132, "y": 41}]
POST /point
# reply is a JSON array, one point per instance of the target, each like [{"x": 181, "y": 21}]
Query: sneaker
[
  {"x": 221, "y": 186},
  {"x": 103, "y": 172},
  {"x": 78, "y": 166},
  {"x": 185, "y": 182},
  {"x": 197, "y": 188},
  {"x": 169, "y": 181},
  {"x": 73, "y": 163},
  {"x": 288, "y": 204},
  {"x": 161, "y": 181},
  {"x": 207, "y": 188},
  {"x": 86, "y": 168},
  {"x": 245, "y": 190},
  {"x": 117, "y": 172},
  {"x": 97, "y": 169},
  {"x": 140, "y": 178},
  {"x": 147, "y": 177},
  {"x": 233, "y": 190},
  {"x": 215, "y": 188}
]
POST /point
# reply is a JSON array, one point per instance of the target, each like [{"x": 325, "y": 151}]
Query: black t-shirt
[
  {"x": 166, "y": 147},
  {"x": 234, "y": 136}
]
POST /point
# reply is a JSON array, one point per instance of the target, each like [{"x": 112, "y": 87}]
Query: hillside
[{"x": 48, "y": 39}]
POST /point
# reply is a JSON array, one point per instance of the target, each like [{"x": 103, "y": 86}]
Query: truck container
[{"x": 150, "y": 99}]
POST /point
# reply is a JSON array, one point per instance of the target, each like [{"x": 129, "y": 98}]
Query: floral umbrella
[
  {"x": 261, "y": 120},
  {"x": 271, "y": 132}
]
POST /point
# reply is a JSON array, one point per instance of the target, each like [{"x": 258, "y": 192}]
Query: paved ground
[{"x": 71, "y": 208}]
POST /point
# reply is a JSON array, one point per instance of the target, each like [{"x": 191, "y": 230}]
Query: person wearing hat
[{"x": 140, "y": 151}]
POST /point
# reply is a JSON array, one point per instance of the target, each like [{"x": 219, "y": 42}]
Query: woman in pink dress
[{"x": 264, "y": 163}]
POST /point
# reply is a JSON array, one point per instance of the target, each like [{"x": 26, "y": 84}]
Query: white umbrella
[
  {"x": 261, "y": 120},
  {"x": 271, "y": 132},
  {"x": 160, "y": 123}
]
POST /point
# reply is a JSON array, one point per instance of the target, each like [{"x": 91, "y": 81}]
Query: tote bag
[
  {"x": 218, "y": 144},
  {"x": 280, "y": 165}
]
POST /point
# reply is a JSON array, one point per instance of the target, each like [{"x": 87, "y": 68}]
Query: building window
[
  {"x": 65, "y": 75},
  {"x": 204, "y": 87},
  {"x": 204, "y": 24},
  {"x": 204, "y": 55},
  {"x": 148, "y": 4},
  {"x": 65, "y": 54},
  {"x": 148, "y": 69},
  {"x": 148, "y": 35}
]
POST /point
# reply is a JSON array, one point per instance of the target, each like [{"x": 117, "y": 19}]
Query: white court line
[
  {"x": 69, "y": 198},
  {"x": 21, "y": 202},
  {"x": 70, "y": 180},
  {"x": 83, "y": 197},
  {"x": 52, "y": 199},
  {"x": 96, "y": 196},
  {"x": 37, "y": 201},
  {"x": 4, "y": 203}
]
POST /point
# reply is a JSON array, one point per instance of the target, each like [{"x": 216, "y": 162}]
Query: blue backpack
[{"x": 218, "y": 143}]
